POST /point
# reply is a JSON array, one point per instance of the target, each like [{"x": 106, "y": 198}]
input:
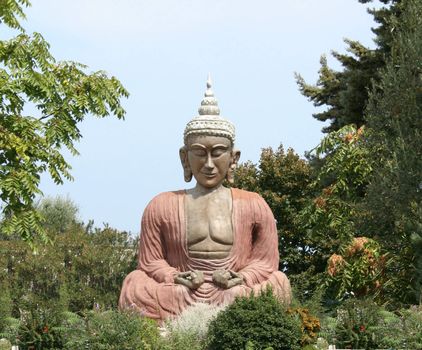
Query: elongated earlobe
[
  {"x": 233, "y": 165},
  {"x": 187, "y": 172},
  {"x": 230, "y": 174}
]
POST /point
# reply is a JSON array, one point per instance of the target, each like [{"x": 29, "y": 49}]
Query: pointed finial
[
  {"x": 209, "y": 81},
  {"x": 209, "y": 92},
  {"x": 209, "y": 105},
  {"x": 209, "y": 122}
]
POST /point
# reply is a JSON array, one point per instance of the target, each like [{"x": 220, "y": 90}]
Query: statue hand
[
  {"x": 226, "y": 278},
  {"x": 190, "y": 279}
]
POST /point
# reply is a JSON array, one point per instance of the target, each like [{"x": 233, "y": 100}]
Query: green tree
[
  {"x": 317, "y": 210},
  {"x": 394, "y": 196},
  {"x": 59, "y": 214},
  {"x": 345, "y": 93},
  {"x": 282, "y": 178},
  {"x": 61, "y": 95},
  {"x": 80, "y": 270},
  {"x": 329, "y": 218}
]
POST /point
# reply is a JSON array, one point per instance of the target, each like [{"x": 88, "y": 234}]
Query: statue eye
[
  {"x": 199, "y": 152},
  {"x": 218, "y": 152}
]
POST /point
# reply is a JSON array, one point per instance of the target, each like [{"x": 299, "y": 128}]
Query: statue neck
[{"x": 200, "y": 190}]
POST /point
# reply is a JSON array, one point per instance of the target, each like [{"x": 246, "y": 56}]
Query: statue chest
[{"x": 209, "y": 226}]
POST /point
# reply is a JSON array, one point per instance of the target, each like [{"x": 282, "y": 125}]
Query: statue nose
[{"x": 209, "y": 163}]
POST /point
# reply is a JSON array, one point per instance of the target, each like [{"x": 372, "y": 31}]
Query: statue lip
[{"x": 211, "y": 175}]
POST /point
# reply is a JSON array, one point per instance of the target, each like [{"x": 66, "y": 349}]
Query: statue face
[{"x": 209, "y": 159}]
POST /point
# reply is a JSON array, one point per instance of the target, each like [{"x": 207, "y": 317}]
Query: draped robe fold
[{"x": 163, "y": 253}]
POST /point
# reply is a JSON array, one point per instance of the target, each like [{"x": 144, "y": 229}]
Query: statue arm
[
  {"x": 264, "y": 257},
  {"x": 151, "y": 253}
]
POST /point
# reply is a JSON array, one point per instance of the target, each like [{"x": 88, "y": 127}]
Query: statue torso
[{"x": 209, "y": 226}]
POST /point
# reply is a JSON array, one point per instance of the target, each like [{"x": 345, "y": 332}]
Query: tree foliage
[
  {"x": 317, "y": 209},
  {"x": 11, "y": 10},
  {"x": 288, "y": 185},
  {"x": 370, "y": 178},
  {"x": 345, "y": 92},
  {"x": 358, "y": 271},
  {"x": 394, "y": 113},
  {"x": 59, "y": 214},
  {"x": 282, "y": 178},
  {"x": 329, "y": 218},
  {"x": 81, "y": 270},
  {"x": 41, "y": 103}
]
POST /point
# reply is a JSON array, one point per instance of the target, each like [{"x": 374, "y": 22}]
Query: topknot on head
[{"x": 209, "y": 122}]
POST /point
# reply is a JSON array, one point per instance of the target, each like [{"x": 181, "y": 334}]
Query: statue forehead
[{"x": 208, "y": 140}]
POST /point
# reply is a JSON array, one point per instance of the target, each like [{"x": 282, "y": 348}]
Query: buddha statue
[{"x": 209, "y": 243}]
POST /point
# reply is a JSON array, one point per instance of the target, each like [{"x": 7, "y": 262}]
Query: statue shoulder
[
  {"x": 165, "y": 202},
  {"x": 254, "y": 204},
  {"x": 167, "y": 196},
  {"x": 246, "y": 195}
]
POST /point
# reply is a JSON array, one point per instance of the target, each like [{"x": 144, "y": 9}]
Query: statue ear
[
  {"x": 235, "y": 160},
  {"x": 187, "y": 172},
  {"x": 236, "y": 157}
]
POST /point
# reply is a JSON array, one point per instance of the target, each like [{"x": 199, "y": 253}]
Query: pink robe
[{"x": 163, "y": 253}]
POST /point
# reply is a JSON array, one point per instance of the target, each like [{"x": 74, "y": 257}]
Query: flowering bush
[
  {"x": 310, "y": 324},
  {"x": 359, "y": 270}
]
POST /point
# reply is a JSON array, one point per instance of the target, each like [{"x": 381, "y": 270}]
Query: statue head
[{"x": 208, "y": 152}]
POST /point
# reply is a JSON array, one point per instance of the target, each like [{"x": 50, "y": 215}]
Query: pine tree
[
  {"x": 394, "y": 114},
  {"x": 345, "y": 93}
]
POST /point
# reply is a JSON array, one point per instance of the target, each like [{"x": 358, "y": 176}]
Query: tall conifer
[
  {"x": 394, "y": 114},
  {"x": 345, "y": 93}
]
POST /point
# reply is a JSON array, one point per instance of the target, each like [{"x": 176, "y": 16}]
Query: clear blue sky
[{"x": 162, "y": 50}]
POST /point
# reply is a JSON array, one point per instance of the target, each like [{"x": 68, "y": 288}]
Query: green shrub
[
  {"x": 38, "y": 329},
  {"x": 412, "y": 326},
  {"x": 49, "y": 329},
  {"x": 10, "y": 329},
  {"x": 189, "y": 330},
  {"x": 109, "y": 330},
  {"x": 182, "y": 340},
  {"x": 363, "y": 324},
  {"x": 402, "y": 330},
  {"x": 6, "y": 303},
  {"x": 310, "y": 324},
  {"x": 256, "y": 321},
  {"x": 5, "y": 344},
  {"x": 79, "y": 270},
  {"x": 356, "y": 323},
  {"x": 309, "y": 347}
]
